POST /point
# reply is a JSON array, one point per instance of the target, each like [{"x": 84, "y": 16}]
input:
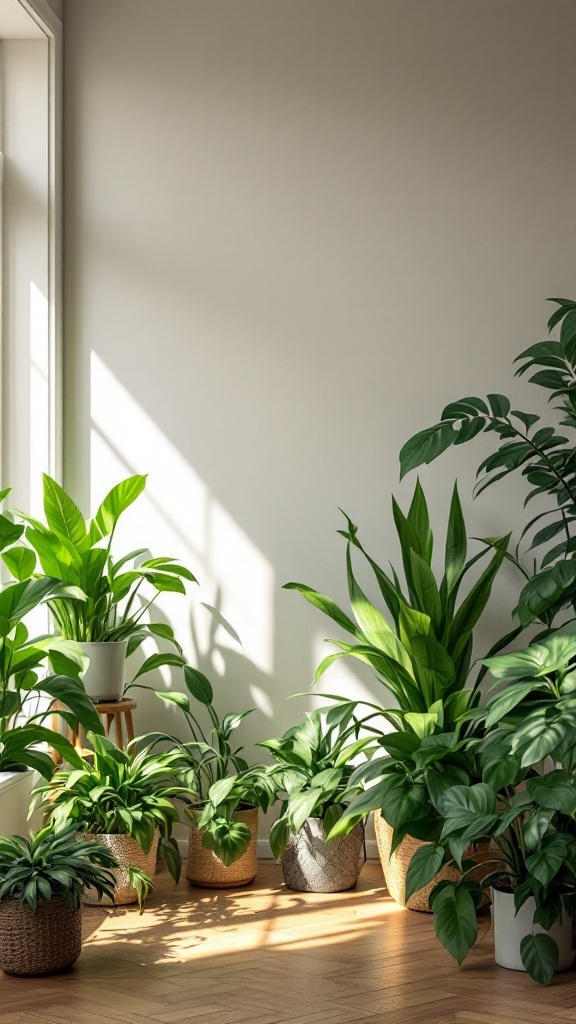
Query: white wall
[{"x": 293, "y": 231}]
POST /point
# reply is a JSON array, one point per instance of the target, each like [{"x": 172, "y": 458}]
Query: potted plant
[
  {"x": 123, "y": 800},
  {"x": 35, "y": 672},
  {"x": 422, "y": 657},
  {"x": 107, "y": 614},
  {"x": 42, "y": 879},
  {"x": 533, "y": 879},
  {"x": 223, "y": 792},
  {"x": 312, "y": 771},
  {"x": 544, "y": 456}
]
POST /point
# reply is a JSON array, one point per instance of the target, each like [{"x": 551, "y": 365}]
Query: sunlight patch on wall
[{"x": 178, "y": 516}]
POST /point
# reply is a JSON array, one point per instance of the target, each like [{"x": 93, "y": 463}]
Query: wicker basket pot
[
  {"x": 129, "y": 854},
  {"x": 396, "y": 866},
  {"x": 205, "y": 869},
  {"x": 41, "y": 941},
  {"x": 310, "y": 864}
]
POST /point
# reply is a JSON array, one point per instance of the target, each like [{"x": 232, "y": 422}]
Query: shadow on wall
[{"x": 178, "y": 515}]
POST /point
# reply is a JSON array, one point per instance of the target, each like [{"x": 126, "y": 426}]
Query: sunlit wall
[{"x": 293, "y": 231}]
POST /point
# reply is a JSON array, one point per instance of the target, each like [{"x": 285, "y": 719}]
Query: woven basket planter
[
  {"x": 396, "y": 866},
  {"x": 41, "y": 941},
  {"x": 129, "y": 854},
  {"x": 206, "y": 870},
  {"x": 310, "y": 864}
]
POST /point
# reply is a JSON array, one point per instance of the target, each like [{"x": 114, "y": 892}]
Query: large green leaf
[
  {"x": 419, "y": 520},
  {"x": 540, "y": 659},
  {"x": 476, "y": 600},
  {"x": 373, "y": 624},
  {"x": 115, "y": 503},
  {"x": 20, "y": 562},
  {"x": 455, "y": 919},
  {"x": 540, "y": 956},
  {"x": 434, "y": 667},
  {"x": 10, "y": 532},
  {"x": 425, "y": 863},
  {"x": 63, "y": 515},
  {"x": 426, "y": 446},
  {"x": 71, "y": 693},
  {"x": 198, "y": 685},
  {"x": 326, "y": 605},
  {"x": 425, "y": 590},
  {"x": 547, "y": 589},
  {"x": 554, "y": 791}
]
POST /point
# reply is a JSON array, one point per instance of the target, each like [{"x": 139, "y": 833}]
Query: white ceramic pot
[
  {"x": 510, "y": 928},
  {"x": 104, "y": 677},
  {"x": 15, "y": 790}
]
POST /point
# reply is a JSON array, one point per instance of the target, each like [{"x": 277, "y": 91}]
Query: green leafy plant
[
  {"x": 28, "y": 689},
  {"x": 534, "y": 855},
  {"x": 217, "y": 777},
  {"x": 123, "y": 792},
  {"x": 408, "y": 781},
  {"x": 113, "y": 596},
  {"x": 51, "y": 864},
  {"x": 535, "y": 711},
  {"x": 424, "y": 656},
  {"x": 545, "y": 457},
  {"x": 314, "y": 762}
]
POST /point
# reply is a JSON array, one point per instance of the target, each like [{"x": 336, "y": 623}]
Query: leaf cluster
[
  {"x": 545, "y": 458},
  {"x": 48, "y": 864},
  {"x": 123, "y": 792}
]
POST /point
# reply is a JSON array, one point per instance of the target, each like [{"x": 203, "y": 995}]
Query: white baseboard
[{"x": 265, "y": 853}]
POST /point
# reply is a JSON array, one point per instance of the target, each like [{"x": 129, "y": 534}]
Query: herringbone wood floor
[{"x": 266, "y": 955}]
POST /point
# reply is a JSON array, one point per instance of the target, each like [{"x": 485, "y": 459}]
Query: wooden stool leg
[
  {"x": 55, "y": 754},
  {"x": 119, "y": 736},
  {"x": 129, "y": 729}
]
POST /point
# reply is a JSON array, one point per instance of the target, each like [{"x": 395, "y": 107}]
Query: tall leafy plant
[
  {"x": 544, "y": 456},
  {"x": 113, "y": 595},
  {"x": 423, "y": 654}
]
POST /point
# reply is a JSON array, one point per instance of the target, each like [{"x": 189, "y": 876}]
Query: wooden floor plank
[{"x": 266, "y": 955}]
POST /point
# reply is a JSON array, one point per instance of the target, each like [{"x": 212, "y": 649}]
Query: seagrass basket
[
  {"x": 204, "y": 868},
  {"x": 41, "y": 941},
  {"x": 310, "y": 864},
  {"x": 396, "y": 866},
  {"x": 129, "y": 854}
]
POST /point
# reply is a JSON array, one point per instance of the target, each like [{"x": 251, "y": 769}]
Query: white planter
[
  {"x": 510, "y": 928},
  {"x": 15, "y": 790},
  {"x": 104, "y": 677}
]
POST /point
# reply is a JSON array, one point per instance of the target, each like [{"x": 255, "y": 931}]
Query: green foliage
[
  {"x": 217, "y": 780},
  {"x": 123, "y": 792},
  {"x": 112, "y": 597},
  {"x": 51, "y": 864},
  {"x": 314, "y": 763},
  {"x": 534, "y": 843},
  {"x": 545, "y": 458},
  {"x": 537, "y": 707},
  {"x": 423, "y": 657},
  {"x": 26, "y": 679}
]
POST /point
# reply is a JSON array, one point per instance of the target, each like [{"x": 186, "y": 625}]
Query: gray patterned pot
[{"x": 310, "y": 864}]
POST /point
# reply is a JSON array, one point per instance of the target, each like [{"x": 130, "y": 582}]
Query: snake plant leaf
[
  {"x": 419, "y": 519},
  {"x": 372, "y": 623},
  {"x": 326, "y": 605},
  {"x": 434, "y": 667},
  {"x": 456, "y": 543},
  {"x": 476, "y": 600}
]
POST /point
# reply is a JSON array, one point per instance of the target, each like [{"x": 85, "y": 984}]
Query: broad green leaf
[
  {"x": 116, "y": 502},
  {"x": 426, "y": 446},
  {"x": 434, "y": 667},
  {"x": 455, "y": 920},
  {"x": 326, "y": 605},
  {"x": 500, "y": 705},
  {"x": 545, "y": 590},
  {"x": 63, "y": 515},
  {"x": 476, "y": 600},
  {"x": 156, "y": 661},
  {"x": 279, "y": 834},
  {"x": 425, "y": 863},
  {"x": 554, "y": 791},
  {"x": 20, "y": 562},
  {"x": 198, "y": 685},
  {"x": 540, "y": 957},
  {"x": 425, "y": 590},
  {"x": 456, "y": 543},
  {"x": 9, "y": 532},
  {"x": 419, "y": 520},
  {"x": 372, "y": 623}
]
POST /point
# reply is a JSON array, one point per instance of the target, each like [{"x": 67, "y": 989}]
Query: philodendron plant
[
  {"x": 533, "y": 835},
  {"x": 545, "y": 457},
  {"x": 314, "y": 762},
  {"x": 217, "y": 778},
  {"x": 423, "y": 655},
  {"x": 113, "y": 595}
]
